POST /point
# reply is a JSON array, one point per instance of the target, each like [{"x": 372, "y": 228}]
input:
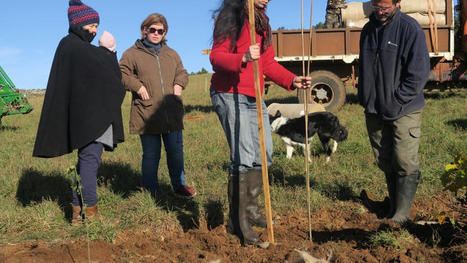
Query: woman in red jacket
[{"x": 233, "y": 97}]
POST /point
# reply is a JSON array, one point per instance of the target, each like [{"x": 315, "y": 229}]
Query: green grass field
[{"x": 35, "y": 194}]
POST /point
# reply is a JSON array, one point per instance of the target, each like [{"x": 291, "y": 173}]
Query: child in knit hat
[{"x": 107, "y": 40}]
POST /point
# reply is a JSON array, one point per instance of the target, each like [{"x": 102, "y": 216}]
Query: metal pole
[{"x": 264, "y": 164}]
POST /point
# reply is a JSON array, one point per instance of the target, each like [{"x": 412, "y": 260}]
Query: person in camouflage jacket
[{"x": 333, "y": 13}]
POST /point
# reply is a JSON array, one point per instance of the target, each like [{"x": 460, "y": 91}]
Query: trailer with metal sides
[
  {"x": 334, "y": 51},
  {"x": 11, "y": 101}
]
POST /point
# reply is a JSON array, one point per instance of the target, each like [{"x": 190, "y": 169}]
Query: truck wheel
[{"x": 327, "y": 89}]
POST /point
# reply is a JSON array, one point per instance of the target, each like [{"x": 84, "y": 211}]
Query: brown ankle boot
[
  {"x": 92, "y": 213},
  {"x": 77, "y": 218}
]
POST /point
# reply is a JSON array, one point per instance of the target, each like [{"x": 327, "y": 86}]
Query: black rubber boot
[
  {"x": 255, "y": 188},
  {"x": 391, "y": 184},
  {"x": 238, "y": 223},
  {"x": 406, "y": 187},
  {"x": 249, "y": 236},
  {"x": 233, "y": 226}
]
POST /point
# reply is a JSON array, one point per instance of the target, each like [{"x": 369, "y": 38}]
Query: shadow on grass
[
  {"x": 352, "y": 98},
  {"x": 200, "y": 108},
  {"x": 439, "y": 235},
  {"x": 436, "y": 86},
  {"x": 124, "y": 180},
  {"x": 361, "y": 238},
  {"x": 214, "y": 214},
  {"x": 460, "y": 124},
  {"x": 8, "y": 128},
  {"x": 441, "y": 94},
  {"x": 34, "y": 186},
  {"x": 120, "y": 177},
  {"x": 379, "y": 208},
  {"x": 339, "y": 190},
  {"x": 186, "y": 210},
  {"x": 278, "y": 176}
]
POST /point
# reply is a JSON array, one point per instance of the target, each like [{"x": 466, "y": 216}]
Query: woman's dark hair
[{"x": 229, "y": 19}]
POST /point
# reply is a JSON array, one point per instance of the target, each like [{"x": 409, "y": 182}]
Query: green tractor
[{"x": 11, "y": 101}]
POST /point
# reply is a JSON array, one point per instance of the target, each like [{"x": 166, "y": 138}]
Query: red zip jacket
[{"x": 231, "y": 75}]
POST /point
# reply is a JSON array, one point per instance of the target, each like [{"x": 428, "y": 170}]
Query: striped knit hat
[{"x": 80, "y": 14}]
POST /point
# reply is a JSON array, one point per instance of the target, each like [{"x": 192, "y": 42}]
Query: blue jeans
[
  {"x": 238, "y": 117},
  {"x": 89, "y": 159},
  {"x": 173, "y": 143}
]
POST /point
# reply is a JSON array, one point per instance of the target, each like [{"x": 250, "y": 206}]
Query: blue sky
[{"x": 31, "y": 30}]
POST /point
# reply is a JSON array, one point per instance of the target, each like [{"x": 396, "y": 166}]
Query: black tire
[{"x": 326, "y": 89}]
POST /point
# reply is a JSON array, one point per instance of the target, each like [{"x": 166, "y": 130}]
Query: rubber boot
[
  {"x": 406, "y": 187},
  {"x": 391, "y": 184},
  {"x": 249, "y": 236},
  {"x": 255, "y": 188},
  {"x": 238, "y": 223},
  {"x": 77, "y": 218},
  {"x": 233, "y": 226}
]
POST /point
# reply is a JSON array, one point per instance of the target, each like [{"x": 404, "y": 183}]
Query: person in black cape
[{"x": 82, "y": 104}]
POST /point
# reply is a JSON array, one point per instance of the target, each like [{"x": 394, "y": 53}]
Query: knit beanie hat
[{"x": 80, "y": 14}]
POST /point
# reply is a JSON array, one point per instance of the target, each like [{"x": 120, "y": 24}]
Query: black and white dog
[{"x": 292, "y": 131}]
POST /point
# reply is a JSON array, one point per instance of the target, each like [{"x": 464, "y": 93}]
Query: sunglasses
[
  {"x": 153, "y": 30},
  {"x": 379, "y": 8}
]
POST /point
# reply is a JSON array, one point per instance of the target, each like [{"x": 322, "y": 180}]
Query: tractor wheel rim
[{"x": 322, "y": 94}]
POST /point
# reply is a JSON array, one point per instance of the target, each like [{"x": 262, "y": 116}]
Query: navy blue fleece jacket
[{"x": 394, "y": 66}]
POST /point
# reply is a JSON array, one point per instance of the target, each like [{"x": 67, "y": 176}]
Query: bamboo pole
[
  {"x": 308, "y": 74},
  {"x": 305, "y": 101},
  {"x": 259, "y": 110}
]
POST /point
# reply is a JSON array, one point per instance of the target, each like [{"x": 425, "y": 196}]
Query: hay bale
[
  {"x": 420, "y": 6},
  {"x": 292, "y": 111},
  {"x": 357, "y": 11},
  {"x": 423, "y": 19}
]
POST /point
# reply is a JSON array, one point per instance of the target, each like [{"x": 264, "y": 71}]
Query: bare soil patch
[{"x": 347, "y": 231}]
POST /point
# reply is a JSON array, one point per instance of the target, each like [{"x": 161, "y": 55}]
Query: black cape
[{"x": 83, "y": 97}]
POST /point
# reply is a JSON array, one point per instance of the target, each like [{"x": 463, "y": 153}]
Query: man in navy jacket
[{"x": 393, "y": 69}]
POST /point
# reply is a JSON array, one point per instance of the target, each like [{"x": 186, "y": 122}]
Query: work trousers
[{"x": 395, "y": 143}]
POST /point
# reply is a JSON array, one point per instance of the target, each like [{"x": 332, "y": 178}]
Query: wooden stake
[
  {"x": 259, "y": 110},
  {"x": 432, "y": 33},
  {"x": 435, "y": 22}
]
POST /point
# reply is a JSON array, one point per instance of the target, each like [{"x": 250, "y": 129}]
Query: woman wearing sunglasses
[{"x": 155, "y": 75}]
